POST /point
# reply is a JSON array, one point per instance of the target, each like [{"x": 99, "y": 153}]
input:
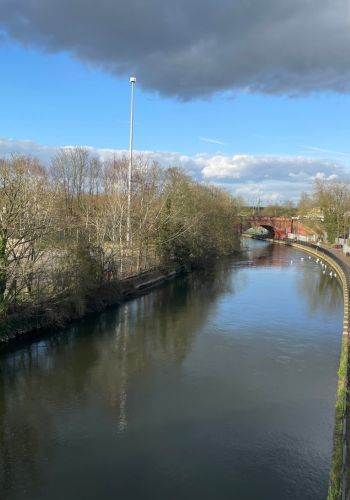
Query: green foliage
[
  {"x": 335, "y": 474},
  {"x": 198, "y": 222},
  {"x": 333, "y": 200}
]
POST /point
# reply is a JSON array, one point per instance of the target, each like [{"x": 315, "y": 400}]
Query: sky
[{"x": 249, "y": 95}]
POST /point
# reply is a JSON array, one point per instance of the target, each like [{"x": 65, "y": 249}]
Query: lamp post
[{"x": 128, "y": 238}]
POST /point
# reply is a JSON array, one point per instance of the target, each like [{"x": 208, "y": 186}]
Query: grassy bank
[{"x": 337, "y": 468}]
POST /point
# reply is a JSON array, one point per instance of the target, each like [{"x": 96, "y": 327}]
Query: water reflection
[
  {"x": 109, "y": 390},
  {"x": 100, "y": 356},
  {"x": 321, "y": 292},
  {"x": 262, "y": 254}
]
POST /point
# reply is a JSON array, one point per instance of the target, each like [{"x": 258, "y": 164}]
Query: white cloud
[
  {"x": 268, "y": 178},
  {"x": 262, "y": 168},
  {"x": 212, "y": 141},
  {"x": 316, "y": 149},
  {"x": 323, "y": 177},
  {"x": 253, "y": 193}
]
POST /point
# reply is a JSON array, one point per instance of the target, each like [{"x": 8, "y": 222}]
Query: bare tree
[{"x": 26, "y": 211}]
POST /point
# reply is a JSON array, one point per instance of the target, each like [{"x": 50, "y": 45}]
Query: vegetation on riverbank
[
  {"x": 64, "y": 246},
  {"x": 327, "y": 208},
  {"x": 337, "y": 460}
]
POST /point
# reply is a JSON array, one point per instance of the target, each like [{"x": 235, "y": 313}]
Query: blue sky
[{"x": 229, "y": 136}]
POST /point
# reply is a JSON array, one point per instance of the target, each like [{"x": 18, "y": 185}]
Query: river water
[{"x": 217, "y": 385}]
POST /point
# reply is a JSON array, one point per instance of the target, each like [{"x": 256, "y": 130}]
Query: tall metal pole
[{"x": 128, "y": 235}]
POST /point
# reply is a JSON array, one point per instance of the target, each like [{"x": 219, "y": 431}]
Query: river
[{"x": 217, "y": 385}]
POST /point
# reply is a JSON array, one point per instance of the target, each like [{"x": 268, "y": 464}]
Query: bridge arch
[
  {"x": 278, "y": 227},
  {"x": 271, "y": 233}
]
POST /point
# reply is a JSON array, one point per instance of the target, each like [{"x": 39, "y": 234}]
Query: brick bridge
[{"x": 277, "y": 227}]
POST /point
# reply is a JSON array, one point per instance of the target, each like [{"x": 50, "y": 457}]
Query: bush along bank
[
  {"x": 54, "y": 316},
  {"x": 69, "y": 244}
]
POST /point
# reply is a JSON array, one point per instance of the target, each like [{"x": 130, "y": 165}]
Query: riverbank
[
  {"x": 339, "y": 487},
  {"x": 106, "y": 295},
  {"x": 138, "y": 284},
  {"x": 211, "y": 368}
]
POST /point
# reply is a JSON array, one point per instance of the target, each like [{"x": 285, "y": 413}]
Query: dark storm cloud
[{"x": 192, "y": 48}]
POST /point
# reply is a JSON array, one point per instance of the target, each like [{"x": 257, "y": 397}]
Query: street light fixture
[{"x": 132, "y": 81}]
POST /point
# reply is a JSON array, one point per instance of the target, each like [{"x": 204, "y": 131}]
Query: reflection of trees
[
  {"x": 24, "y": 424},
  {"x": 320, "y": 291},
  {"x": 98, "y": 359},
  {"x": 261, "y": 253},
  {"x": 159, "y": 325},
  {"x": 33, "y": 380},
  {"x": 101, "y": 360}
]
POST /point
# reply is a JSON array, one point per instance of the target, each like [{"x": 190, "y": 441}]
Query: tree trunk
[{"x": 3, "y": 270}]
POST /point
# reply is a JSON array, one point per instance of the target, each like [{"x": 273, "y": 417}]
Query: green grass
[{"x": 336, "y": 466}]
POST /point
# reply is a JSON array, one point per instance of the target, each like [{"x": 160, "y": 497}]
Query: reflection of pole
[
  {"x": 122, "y": 420},
  {"x": 132, "y": 81}
]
